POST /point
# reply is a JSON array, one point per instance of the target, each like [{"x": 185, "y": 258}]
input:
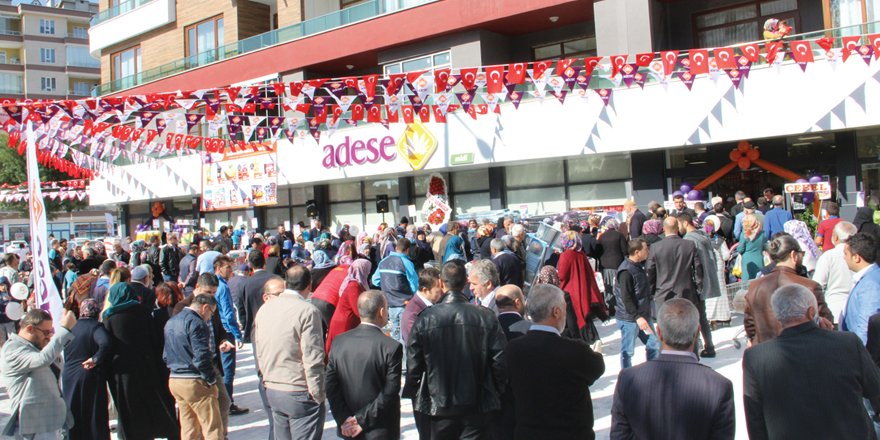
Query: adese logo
[{"x": 359, "y": 152}]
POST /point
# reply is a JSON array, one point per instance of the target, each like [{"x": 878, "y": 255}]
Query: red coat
[
  {"x": 576, "y": 277},
  {"x": 346, "y": 316},
  {"x": 328, "y": 290}
]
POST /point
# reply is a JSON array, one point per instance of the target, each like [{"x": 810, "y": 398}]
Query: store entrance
[{"x": 752, "y": 182}]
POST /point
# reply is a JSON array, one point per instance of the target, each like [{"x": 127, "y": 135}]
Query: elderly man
[
  {"x": 790, "y": 392},
  {"x": 673, "y": 397},
  {"x": 550, "y": 375},
  {"x": 289, "y": 346},
  {"x": 634, "y": 217},
  {"x": 26, "y": 370},
  {"x": 511, "y": 305},
  {"x": 673, "y": 267},
  {"x": 363, "y": 375},
  {"x": 483, "y": 279},
  {"x": 510, "y": 268},
  {"x": 10, "y": 267},
  {"x": 832, "y": 272}
]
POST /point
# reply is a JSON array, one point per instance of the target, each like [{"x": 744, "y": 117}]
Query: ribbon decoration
[{"x": 743, "y": 156}]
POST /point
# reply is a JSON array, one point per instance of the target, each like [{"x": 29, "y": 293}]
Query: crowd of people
[{"x": 449, "y": 319}]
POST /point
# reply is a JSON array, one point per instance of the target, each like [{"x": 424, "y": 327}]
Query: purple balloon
[
  {"x": 808, "y": 198},
  {"x": 685, "y": 188},
  {"x": 815, "y": 179},
  {"x": 678, "y": 193},
  {"x": 801, "y": 181},
  {"x": 694, "y": 194}
]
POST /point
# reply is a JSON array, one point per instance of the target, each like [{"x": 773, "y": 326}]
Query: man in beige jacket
[{"x": 289, "y": 344}]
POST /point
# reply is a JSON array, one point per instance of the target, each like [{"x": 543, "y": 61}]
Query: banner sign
[
  {"x": 239, "y": 181},
  {"x": 822, "y": 189}
]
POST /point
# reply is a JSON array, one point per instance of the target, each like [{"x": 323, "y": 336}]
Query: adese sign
[{"x": 359, "y": 152}]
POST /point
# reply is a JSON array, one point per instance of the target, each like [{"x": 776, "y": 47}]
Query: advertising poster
[{"x": 239, "y": 180}]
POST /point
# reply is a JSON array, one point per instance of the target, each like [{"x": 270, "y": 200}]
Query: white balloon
[
  {"x": 14, "y": 311},
  {"x": 19, "y": 291}
]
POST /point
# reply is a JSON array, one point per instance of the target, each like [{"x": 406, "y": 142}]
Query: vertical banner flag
[{"x": 45, "y": 292}]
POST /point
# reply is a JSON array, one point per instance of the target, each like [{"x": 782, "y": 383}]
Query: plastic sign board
[
  {"x": 822, "y": 189},
  {"x": 236, "y": 181}
]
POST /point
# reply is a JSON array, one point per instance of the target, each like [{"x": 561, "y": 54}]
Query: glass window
[
  {"x": 868, "y": 144},
  {"x": 537, "y": 201},
  {"x": 300, "y": 195},
  {"x": 871, "y": 178},
  {"x": 47, "y": 55},
  {"x": 427, "y": 62},
  {"x": 11, "y": 83},
  {"x": 599, "y": 194},
  {"x": 470, "y": 180},
  {"x": 417, "y": 64},
  {"x": 470, "y": 203},
  {"x": 346, "y": 214},
  {"x": 373, "y": 219},
  {"x": 79, "y": 56},
  {"x": 283, "y": 196},
  {"x": 212, "y": 219},
  {"x": 604, "y": 167},
  {"x": 47, "y": 26},
  {"x": 344, "y": 191},
  {"x": 726, "y": 16},
  {"x": 578, "y": 47},
  {"x": 202, "y": 39},
  {"x": 126, "y": 63},
  {"x": 388, "y": 187},
  {"x": 422, "y": 182},
  {"x": 532, "y": 174},
  {"x": 741, "y": 22},
  {"x": 80, "y": 32},
  {"x": 682, "y": 157},
  {"x": 47, "y": 84},
  {"x": 277, "y": 216}
]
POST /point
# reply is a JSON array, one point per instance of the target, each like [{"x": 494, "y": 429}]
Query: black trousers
[
  {"x": 705, "y": 329},
  {"x": 469, "y": 427}
]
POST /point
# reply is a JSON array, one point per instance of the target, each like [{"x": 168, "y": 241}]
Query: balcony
[
  {"x": 118, "y": 24},
  {"x": 337, "y": 19}
]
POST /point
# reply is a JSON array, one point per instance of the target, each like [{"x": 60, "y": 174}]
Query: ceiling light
[
  {"x": 554, "y": 19},
  {"x": 349, "y": 66},
  {"x": 801, "y": 144},
  {"x": 810, "y": 138}
]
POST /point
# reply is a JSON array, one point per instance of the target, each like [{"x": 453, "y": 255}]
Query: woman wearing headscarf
[
  {"x": 137, "y": 250},
  {"x": 718, "y": 308},
  {"x": 577, "y": 278},
  {"x": 549, "y": 275},
  {"x": 751, "y": 246},
  {"x": 346, "y": 316},
  {"x": 84, "y": 378},
  {"x": 321, "y": 266},
  {"x": 135, "y": 382},
  {"x": 346, "y": 253},
  {"x": 651, "y": 231},
  {"x": 801, "y": 233},
  {"x": 386, "y": 243}
]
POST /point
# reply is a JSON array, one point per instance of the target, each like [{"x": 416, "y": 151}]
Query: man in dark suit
[
  {"x": 635, "y": 218},
  {"x": 250, "y": 302},
  {"x": 681, "y": 207},
  {"x": 674, "y": 396},
  {"x": 789, "y": 390},
  {"x": 430, "y": 292},
  {"x": 549, "y": 375},
  {"x": 363, "y": 376},
  {"x": 510, "y": 267},
  {"x": 674, "y": 270},
  {"x": 511, "y": 305}
]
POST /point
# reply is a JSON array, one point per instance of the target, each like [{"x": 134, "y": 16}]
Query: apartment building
[
  {"x": 44, "y": 49},
  {"x": 150, "y": 46}
]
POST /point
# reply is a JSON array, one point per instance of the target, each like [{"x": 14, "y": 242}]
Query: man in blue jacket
[
  {"x": 223, "y": 270},
  {"x": 860, "y": 254},
  {"x": 775, "y": 218},
  {"x": 397, "y": 278},
  {"x": 193, "y": 382}
]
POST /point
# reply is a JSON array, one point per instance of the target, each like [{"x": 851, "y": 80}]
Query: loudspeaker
[
  {"x": 381, "y": 203},
  {"x": 311, "y": 208}
]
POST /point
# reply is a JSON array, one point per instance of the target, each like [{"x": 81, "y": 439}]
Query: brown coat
[{"x": 760, "y": 322}]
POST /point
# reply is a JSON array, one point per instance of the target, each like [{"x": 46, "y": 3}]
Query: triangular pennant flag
[
  {"x": 687, "y": 78},
  {"x": 772, "y": 48},
  {"x": 801, "y": 52},
  {"x": 751, "y": 52},
  {"x": 850, "y": 44},
  {"x": 563, "y": 64},
  {"x": 605, "y": 94},
  {"x": 670, "y": 58},
  {"x": 628, "y": 74},
  {"x": 370, "y": 82},
  {"x": 865, "y": 51},
  {"x": 539, "y": 67},
  {"x": 570, "y": 76},
  {"x": 441, "y": 80},
  {"x": 735, "y": 77},
  {"x": 561, "y": 96},
  {"x": 193, "y": 119},
  {"x": 640, "y": 79},
  {"x": 617, "y": 62},
  {"x": 556, "y": 83},
  {"x": 515, "y": 98},
  {"x": 234, "y": 125},
  {"x": 516, "y": 74},
  {"x": 725, "y": 58},
  {"x": 699, "y": 61},
  {"x": 590, "y": 64},
  {"x": 744, "y": 65},
  {"x": 874, "y": 40},
  {"x": 494, "y": 79},
  {"x": 465, "y": 99}
]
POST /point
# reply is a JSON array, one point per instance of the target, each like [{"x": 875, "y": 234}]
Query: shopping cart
[{"x": 736, "y": 295}]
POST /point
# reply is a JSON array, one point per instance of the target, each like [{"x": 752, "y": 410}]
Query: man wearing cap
[
  {"x": 141, "y": 280},
  {"x": 749, "y": 207}
]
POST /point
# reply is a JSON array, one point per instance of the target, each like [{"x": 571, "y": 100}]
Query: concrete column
[
  {"x": 497, "y": 193},
  {"x": 847, "y": 172},
  {"x": 406, "y": 196},
  {"x": 622, "y": 26},
  {"x": 648, "y": 181}
]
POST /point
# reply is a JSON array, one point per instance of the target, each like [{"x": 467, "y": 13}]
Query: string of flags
[{"x": 88, "y": 136}]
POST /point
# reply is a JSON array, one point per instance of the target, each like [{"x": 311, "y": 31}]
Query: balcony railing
[
  {"x": 10, "y": 32},
  {"x": 118, "y": 10},
  {"x": 12, "y": 90},
  {"x": 357, "y": 13},
  {"x": 14, "y": 61},
  {"x": 91, "y": 64}
]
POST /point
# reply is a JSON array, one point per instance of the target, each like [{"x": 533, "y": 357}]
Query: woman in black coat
[
  {"x": 135, "y": 380},
  {"x": 84, "y": 378}
]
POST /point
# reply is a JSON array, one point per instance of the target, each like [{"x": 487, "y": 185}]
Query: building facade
[
  {"x": 545, "y": 157},
  {"x": 44, "y": 50}
]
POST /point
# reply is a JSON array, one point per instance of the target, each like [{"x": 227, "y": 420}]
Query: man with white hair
[
  {"x": 510, "y": 268},
  {"x": 483, "y": 278},
  {"x": 789, "y": 391},
  {"x": 674, "y": 396},
  {"x": 550, "y": 375},
  {"x": 832, "y": 272}
]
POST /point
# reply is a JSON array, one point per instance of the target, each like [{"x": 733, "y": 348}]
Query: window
[
  {"x": 82, "y": 89},
  {"x": 2, "y": 57},
  {"x": 47, "y": 84},
  {"x": 126, "y": 63},
  {"x": 741, "y": 22},
  {"x": 594, "y": 168},
  {"x": 80, "y": 32},
  {"x": 47, "y": 27},
  {"x": 79, "y": 56},
  {"x": 580, "y": 47},
  {"x": 346, "y": 3},
  {"x": 11, "y": 83},
  {"x": 427, "y": 62},
  {"x": 202, "y": 40},
  {"x": 47, "y": 55}
]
